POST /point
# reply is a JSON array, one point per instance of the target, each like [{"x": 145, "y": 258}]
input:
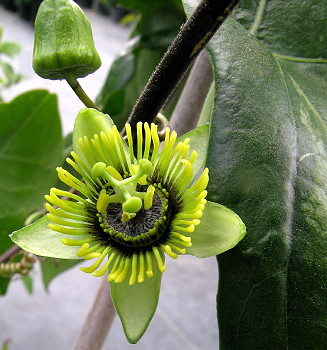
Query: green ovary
[{"x": 129, "y": 209}]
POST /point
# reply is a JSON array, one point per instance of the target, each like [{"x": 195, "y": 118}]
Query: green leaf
[
  {"x": 136, "y": 313},
  {"x": 28, "y": 283},
  {"x": 10, "y": 49},
  {"x": 30, "y": 149},
  {"x": 51, "y": 268},
  {"x": 267, "y": 161},
  {"x": 220, "y": 230},
  {"x": 32, "y": 239}
]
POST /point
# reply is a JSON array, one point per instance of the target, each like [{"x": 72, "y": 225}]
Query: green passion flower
[
  {"x": 134, "y": 202},
  {"x": 132, "y": 207}
]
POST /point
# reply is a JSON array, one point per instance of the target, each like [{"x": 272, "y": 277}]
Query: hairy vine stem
[{"x": 189, "y": 42}]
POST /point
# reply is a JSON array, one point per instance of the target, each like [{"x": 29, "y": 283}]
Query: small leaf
[
  {"x": 220, "y": 230},
  {"x": 39, "y": 239},
  {"x": 136, "y": 312}
]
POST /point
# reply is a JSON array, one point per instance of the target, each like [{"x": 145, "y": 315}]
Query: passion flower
[{"x": 133, "y": 203}]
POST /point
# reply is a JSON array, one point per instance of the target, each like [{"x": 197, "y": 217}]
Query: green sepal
[
  {"x": 63, "y": 42},
  {"x": 199, "y": 142},
  {"x": 220, "y": 230},
  {"x": 39, "y": 239},
  {"x": 136, "y": 304},
  {"x": 88, "y": 122}
]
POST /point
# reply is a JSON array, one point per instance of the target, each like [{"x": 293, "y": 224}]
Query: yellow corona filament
[
  {"x": 182, "y": 237},
  {"x": 98, "y": 147},
  {"x": 189, "y": 228},
  {"x": 149, "y": 271},
  {"x": 133, "y": 276},
  {"x": 156, "y": 143},
  {"x": 148, "y": 198},
  {"x": 147, "y": 141},
  {"x": 140, "y": 276},
  {"x": 103, "y": 201},
  {"x": 72, "y": 181},
  {"x": 130, "y": 142},
  {"x": 166, "y": 248},
  {"x": 157, "y": 255},
  {"x": 63, "y": 222},
  {"x": 181, "y": 242},
  {"x": 73, "y": 242},
  {"x": 193, "y": 215},
  {"x": 121, "y": 277},
  {"x": 67, "y": 231},
  {"x": 114, "y": 275},
  {"x": 62, "y": 193},
  {"x": 115, "y": 267},
  {"x": 93, "y": 267},
  {"x": 180, "y": 250},
  {"x": 104, "y": 269},
  {"x": 139, "y": 140}
]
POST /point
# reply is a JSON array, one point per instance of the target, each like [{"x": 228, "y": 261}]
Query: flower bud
[{"x": 63, "y": 42}]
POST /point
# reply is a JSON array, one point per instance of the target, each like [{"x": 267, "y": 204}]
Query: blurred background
[{"x": 51, "y": 319}]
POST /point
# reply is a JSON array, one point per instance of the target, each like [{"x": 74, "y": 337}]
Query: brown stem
[
  {"x": 188, "y": 108},
  {"x": 7, "y": 255},
  {"x": 98, "y": 321},
  {"x": 191, "y": 39}
]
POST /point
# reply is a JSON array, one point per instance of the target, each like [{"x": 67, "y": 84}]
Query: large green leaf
[
  {"x": 30, "y": 149},
  {"x": 267, "y": 160}
]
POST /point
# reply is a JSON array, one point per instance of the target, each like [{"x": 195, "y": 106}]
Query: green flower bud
[{"x": 63, "y": 42}]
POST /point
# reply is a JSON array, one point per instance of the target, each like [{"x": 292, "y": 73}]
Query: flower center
[{"x": 144, "y": 228}]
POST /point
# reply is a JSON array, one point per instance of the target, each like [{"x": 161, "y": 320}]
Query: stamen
[
  {"x": 157, "y": 255},
  {"x": 148, "y": 198},
  {"x": 103, "y": 201}
]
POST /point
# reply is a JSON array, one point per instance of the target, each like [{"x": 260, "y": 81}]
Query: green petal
[
  {"x": 39, "y": 239},
  {"x": 136, "y": 304},
  {"x": 199, "y": 142},
  {"x": 220, "y": 229},
  {"x": 88, "y": 122}
]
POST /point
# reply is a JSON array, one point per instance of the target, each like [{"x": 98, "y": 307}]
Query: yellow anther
[
  {"x": 114, "y": 173},
  {"x": 148, "y": 198},
  {"x": 103, "y": 201},
  {"x": 133, "y": 169}
]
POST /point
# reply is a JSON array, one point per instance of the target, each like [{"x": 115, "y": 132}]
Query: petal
[
  {"x": 39, "y": 239},
  {"x": 199, "y": 142},
  {"x": 220, "y": 229},
  {"x": 136, "y": 304},
  {"x": 89, "y": 122}
]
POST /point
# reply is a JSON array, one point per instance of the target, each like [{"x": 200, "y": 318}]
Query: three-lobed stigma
[{"x": 134, "y": 204}]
